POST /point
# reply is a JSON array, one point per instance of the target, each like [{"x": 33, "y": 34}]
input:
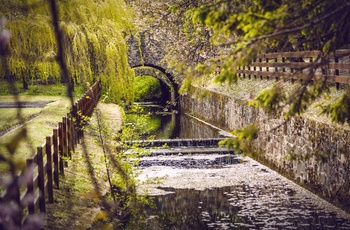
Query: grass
[
  {"x": 15, "y": 144},
  {"x": 36, "y": 129},
  {"x": 56, "y": 89},
  {"x": 25, "y": 97},
  {"x": 9, "y": 116},
  {"x": 76, "y": 203}
]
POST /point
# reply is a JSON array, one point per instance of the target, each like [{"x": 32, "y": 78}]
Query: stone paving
[{"x": 242, "y": 194}]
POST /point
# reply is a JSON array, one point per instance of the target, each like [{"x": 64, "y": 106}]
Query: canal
[{"x": 224, "y": 191}]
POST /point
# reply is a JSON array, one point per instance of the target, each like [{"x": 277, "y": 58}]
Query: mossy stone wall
[{"x": 313, "y": 154}]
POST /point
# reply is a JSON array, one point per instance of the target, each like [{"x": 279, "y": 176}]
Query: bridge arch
[{"x": 161, "y": 75}]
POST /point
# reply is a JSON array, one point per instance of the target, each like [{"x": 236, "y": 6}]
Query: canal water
[
  {"x": 166, "y": 125},
  {"x": 212, "y": 191}
]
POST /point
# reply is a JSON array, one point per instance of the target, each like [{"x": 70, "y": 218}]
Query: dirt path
[{"x": 76, "y": 202}]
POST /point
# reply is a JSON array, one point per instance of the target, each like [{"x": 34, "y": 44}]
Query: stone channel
[{"x": 229, "y": 191}]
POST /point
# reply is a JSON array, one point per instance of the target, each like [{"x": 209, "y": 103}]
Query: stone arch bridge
[{"x": 145, "y": 55}]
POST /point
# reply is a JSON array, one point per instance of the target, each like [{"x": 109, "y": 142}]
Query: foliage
[
  {"x": 119, "y": 172},
  {"x": 166, "y": 20},
  {"x": 270, "y": 99},
  {"x": 143, "y": 124},
  {"x": 211, "y": 39},
  {"x": 340, "y": 110},
  {"x": 93, "y": 48},
  {"x": 147, "y": 88},
  {"x": 241, "y": 140},
  {"x": 93, "y": 38}
]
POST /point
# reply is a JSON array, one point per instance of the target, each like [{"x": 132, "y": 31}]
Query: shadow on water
[{"x": 238, "y": 207}]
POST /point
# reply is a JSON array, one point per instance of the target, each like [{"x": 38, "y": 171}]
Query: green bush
[{"x": 147, "y": 88}]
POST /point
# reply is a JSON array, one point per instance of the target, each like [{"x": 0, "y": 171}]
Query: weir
[
  {"x": 182, "y": 146},
  {"x": 198, "y": 142}
]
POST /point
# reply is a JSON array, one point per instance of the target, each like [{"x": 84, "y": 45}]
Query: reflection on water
[
  {"x": 239, "y": 207},
  {"x": 172, "y": 126},
  {"x": 191, "y": 128}
]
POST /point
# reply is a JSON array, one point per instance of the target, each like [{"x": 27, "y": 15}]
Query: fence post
[
  {"x": 69, "y": 137},
  {"x": 249, "y": 68},
  {"x": 55, "y": 157},
  {"x": 65, "y": 144},
  {"x": 260, "y": 68},
  {"x": 84, "y": 105},
  {"x": 254, "y": 68},
  {"x": 60, "y": 147},
  {"x": 82, "y": 117},
  {"x": 41, "y": 179},
  {"x": 30, "y": 187},
  {"x": 72, "y": 133},
  {"x": 337, "y": 84},
  {"x": 284, "y": 68},
  {"x": 49, "y": 169},
  {"x": 276, "y": 69},
  {"x": 74, "y": 120},
  {"x": 78, "y": 120},
  {"x": 267, "y": 69}
]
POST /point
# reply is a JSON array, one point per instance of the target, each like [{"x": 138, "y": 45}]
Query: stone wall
[
  {"x": 146, "y": 50},
  {"x": 313, "y": 154}
]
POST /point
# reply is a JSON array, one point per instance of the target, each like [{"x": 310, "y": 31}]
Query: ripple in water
[{"x": 274, "y": 206}]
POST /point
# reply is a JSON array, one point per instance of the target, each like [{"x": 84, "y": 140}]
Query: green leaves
[
  {"x": 270, "y": 99},
  {"x": 93, "y": 38},
  {"x": 147, "y": 88},
  {"x": 242, "y": 139},
  {"x": 339, "y": 111}
]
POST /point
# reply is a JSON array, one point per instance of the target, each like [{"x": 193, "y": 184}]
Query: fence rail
[
  {"x": 303, "y": 65},
  {"x": 43, "y": 169}
]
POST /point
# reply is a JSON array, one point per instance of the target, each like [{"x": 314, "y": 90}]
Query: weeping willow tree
[{"x": 94, "y": 44}]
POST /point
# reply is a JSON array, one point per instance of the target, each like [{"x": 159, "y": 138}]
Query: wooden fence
[
  {"x": 303, "y": 65},
  {"x": 43, "y": 169}
]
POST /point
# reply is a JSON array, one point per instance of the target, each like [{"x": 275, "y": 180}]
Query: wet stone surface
[
  {"x": 241, "y": 195},
  {"x": 189, "y": 162}
]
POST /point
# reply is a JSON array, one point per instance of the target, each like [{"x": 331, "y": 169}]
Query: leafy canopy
[
  {"x": 211, "y": 39},
  {"x": 94, "y": 45}
]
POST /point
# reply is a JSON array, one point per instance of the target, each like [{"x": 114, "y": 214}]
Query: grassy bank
[
  {"x": 43, "y": 122},
  {"x": 24, "y": 129}
]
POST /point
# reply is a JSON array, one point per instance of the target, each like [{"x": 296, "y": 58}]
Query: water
[
  {"x": 225, "y": 192},
  {"x": 240, "y": 207},
  {"x": 189, "y": 162},
  {"x": 174, "y": 126}
]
